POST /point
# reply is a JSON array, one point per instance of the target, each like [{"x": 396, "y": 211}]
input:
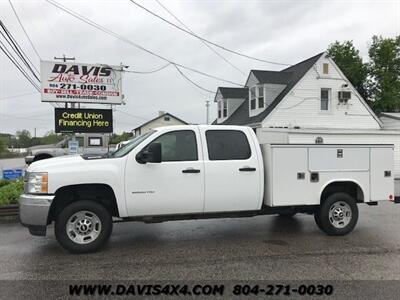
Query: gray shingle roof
[
  {"x": 277, "y": 77},
  {"x": 289, "y": 76},
  {"x": 234, "y": 93}
]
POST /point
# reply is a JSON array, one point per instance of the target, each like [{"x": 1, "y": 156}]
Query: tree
[
  {"x": 24, "y": 138},
  {"x": 2, "y": 146},
  {"x": 348, "y": 59},
  {"x": 117, "y": 138},
  {"x": 384, "y": 69}
]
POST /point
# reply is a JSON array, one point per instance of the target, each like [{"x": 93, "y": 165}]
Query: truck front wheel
[
  {"x": 83, "y": 227},
  {"x": 337, "y": 215}
]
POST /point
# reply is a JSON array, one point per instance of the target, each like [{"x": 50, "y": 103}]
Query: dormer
[
  {"x": 228, "y": 101},
  {"x": 264, "y": 87}
]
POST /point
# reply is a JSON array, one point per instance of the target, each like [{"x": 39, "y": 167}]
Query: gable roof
[
  {"x": 277, "y": 77},
  {"x": 289, "y": 76},
  {"x": 158, "y": 117},
  {"x": 233, "y": 93}
]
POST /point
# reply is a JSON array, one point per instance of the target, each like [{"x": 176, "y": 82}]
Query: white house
[
  {"x": 311, "y": 94},
  {"x": 309, "y": 102},
  {"x": 163, "y": 119}
]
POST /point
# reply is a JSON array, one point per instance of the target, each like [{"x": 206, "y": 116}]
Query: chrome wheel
[
  {"x": 83, "y": 227},
  {"x": 340, "y": 214}
]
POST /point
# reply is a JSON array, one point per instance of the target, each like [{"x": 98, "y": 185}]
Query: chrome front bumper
[{"x": 33, "y": 212}]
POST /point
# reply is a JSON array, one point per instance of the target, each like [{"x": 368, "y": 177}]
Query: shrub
[{"x": 9, "y": 193}]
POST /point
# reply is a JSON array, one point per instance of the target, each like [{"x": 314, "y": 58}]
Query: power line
[
  {"x": 191, "y": 81},
  {"x": 207, "y": 41},
  {"x": 19, "y": 95},
  {"x": 149, "y": 72},
  {"x": 128, "y": 114},
  {"x": 113, "y": 34},
  {"x": 23, "y": 72},
  {"x": 205, "y": 44},
  {"x": 23, "y": 28},
  {"x": 18, "y": 50}
]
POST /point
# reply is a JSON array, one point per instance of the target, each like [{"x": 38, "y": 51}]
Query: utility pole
[
  {"x": 65, "y": 59},
  {"x": 207, "y": 112},
  {"x": 72, "y": 105}
]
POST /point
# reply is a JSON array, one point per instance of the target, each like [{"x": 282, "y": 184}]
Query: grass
[{"x": 10, "y": 190}]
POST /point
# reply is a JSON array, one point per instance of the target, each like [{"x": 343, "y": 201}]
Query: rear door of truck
[{"x": 233, "y": 169}]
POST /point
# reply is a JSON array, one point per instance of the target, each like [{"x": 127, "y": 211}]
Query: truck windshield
[{"x": 131, "y": 145}]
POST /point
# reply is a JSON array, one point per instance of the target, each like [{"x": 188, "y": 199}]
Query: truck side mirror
[{"x": 151, "y": 154}]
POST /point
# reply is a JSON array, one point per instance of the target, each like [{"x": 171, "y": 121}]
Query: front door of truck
[{"x": 174, "y": 186}]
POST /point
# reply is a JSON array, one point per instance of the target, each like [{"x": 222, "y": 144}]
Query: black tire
[
  {"x": 324, "y": 216},
  {"x": 92, "y": 209}
]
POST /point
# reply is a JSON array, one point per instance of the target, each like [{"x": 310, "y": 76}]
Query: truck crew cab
[{"x": 196, "y": 172}]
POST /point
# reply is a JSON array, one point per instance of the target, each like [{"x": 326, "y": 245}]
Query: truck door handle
[
  {"x": 247, "y": 169},
  {"x": 191, "y": 170}
]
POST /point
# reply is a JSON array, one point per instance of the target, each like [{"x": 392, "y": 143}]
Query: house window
[
  {"x": 219, "y": 109},
  {"x": 260, "y": 96},
  {"x": 325, "y": 68},
  {"x": 225, "y": 110},
  {"x": 253, "y": 98},
  {"x": 167, "y": 118},
  {"x": 325, "y": 97}
]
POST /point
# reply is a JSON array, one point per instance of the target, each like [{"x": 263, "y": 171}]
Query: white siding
[
  {"x": 271, "y": 91},
  {"x": 301, "y": 107},
  {"x": 252, "y": 80},
  {"x": 232, "y": 105},
  {"x": 159, "y": 122}
]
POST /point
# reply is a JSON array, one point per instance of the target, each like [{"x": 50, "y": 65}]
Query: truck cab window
[
  {"x": 178, "y": 146},
  {"x": 227, "y": 145}
]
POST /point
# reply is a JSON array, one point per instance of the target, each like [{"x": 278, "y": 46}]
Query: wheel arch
[
  {"x": 97, "y": 192},
  {"x": 348, "y": 186}
]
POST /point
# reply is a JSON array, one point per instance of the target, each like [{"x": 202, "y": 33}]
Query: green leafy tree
[
  {"x": 24, "y": 139},
  {"x": 117, "y": 138},
  {"x": 2, "y": 146},
  {"x": 384, "y": 69},
  {"x": 348, "y": 59}
]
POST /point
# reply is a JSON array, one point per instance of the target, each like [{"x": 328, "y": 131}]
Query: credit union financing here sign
[
  {"x": 83, "y": 120},
  {"x": 86, "y": 83}
]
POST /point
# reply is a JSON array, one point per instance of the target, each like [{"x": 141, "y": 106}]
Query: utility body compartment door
[{"x": 382, "y": 181}]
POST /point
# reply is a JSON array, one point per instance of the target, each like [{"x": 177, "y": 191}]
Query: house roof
[
  {"x": 289, "y": 76},
  {"x": 277, "y": 77},
  {"x": 233, "y": 93},
  {"x": 392, "y": 115},
  {"x": 160, "y": 116}
]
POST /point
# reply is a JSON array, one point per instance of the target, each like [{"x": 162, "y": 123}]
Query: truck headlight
[{"x": 37, "y": 183}]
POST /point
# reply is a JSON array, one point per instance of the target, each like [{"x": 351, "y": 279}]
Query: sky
[{"x": 279, "y": 31}]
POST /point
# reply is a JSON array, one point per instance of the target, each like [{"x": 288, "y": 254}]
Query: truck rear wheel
[
  {"x": 83, "y": 227},
  {"x": 337, "y": 215}
]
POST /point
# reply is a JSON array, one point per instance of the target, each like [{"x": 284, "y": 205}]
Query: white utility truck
[{"x": 197, "y": 172}]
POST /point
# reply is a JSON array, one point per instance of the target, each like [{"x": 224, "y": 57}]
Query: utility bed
[{"x": 296, "y": 174}]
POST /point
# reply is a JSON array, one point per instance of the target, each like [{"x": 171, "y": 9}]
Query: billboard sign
[
  {"x": 83, "y": 120},
  {"x": 85, "y": 83}
]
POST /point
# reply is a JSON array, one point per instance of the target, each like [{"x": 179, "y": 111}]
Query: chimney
[{"x": 161, "y": 112}]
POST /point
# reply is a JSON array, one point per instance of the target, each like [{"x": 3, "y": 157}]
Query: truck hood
[
  {"x": 39, "y": 147},
  {"x": 46, "y": 165}
]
